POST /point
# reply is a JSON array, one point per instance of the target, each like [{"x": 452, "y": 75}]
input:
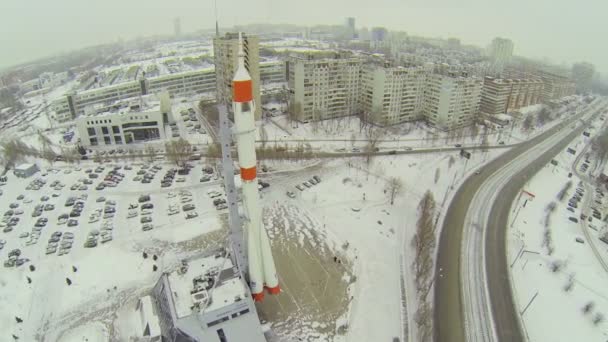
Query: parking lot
[{"x": 57, "y": 210}]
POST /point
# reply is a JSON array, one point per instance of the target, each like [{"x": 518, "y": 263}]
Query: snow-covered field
[{"x": 552, "y": 289}]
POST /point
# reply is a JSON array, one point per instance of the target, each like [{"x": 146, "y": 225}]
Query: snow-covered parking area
[
  {"x": 59, "y": 280},
  {"x": 559, "y": 284}
]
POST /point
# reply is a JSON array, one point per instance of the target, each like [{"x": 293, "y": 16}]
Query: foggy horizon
[{"x": 540, "y": 30}]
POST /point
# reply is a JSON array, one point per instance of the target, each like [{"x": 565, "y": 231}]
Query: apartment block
[
  {"x": 225, "y": 51},
  {"x": 501, "y": 51},
  {"x": 392, "y": 94},
  {"x": 178, "y": 84},
  {"x": 273, "y": 72},
  {"x": 500, "y": 95},
  {"x": 324, "y": 87},
  {"x": 451, "y": 100},
  {"x": 556, "y": 86}
]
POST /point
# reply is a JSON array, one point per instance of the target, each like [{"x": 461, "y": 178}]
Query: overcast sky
[{"x": 564, "y": 31}]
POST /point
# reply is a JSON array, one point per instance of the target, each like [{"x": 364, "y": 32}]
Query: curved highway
[{"x": 471, "y": 263}]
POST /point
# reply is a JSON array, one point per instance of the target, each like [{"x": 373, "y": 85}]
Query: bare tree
[
  {"x": 543, "y": 116},
  {"x": 178, "y": 151},
  {"x": 528, "y": 123},
  {"x": 424, "y": 241},
  {"x": 209, "y": 110},
  {"x": 588, "y": 307},
  {"x": 394, "y": 188},
  {"x": 263, "y": 135},
  {"x": 451, "y": 162},
  {"x": 374, "y": 134},
  {"x": 150, "y": 152}
]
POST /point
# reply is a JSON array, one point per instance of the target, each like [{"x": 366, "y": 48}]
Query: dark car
[
  {"x": 573, "y": 219},
  {"x": 218, "y": 201},
  {"x": 144, "y": 198},
  {"x": 147, "y": 206}
]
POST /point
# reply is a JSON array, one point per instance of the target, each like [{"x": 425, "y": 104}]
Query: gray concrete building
[{"x": 206, "y": 300}]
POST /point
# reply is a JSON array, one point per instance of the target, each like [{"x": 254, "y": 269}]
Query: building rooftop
[
  {"x": 146, "y": 103},
  {"x": 206, "y": 284}
]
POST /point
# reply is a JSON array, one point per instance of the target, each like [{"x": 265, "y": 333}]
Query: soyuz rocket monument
[{"x": 262, "y": 271}]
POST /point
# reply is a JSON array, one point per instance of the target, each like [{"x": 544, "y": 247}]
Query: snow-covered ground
[
  {"x": 106, "y": 273},
  {"x": 551, "y": 289}
]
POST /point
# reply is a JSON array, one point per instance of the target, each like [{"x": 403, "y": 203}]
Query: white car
[
  {"x": 180, "y": 179},
  {"x": 186, "y": 200},
  {"x": 146, "y": 212},
  {"x": 132, "y": 214},
  {"x": 214, "y": 194},
  {"x": 62, "y": 221},
  {"x": 172, "y": 212},
  {"x": 171, "y": 195},
  {"x": 27, "y": 200},
  {"x": 24, "y": 235}
]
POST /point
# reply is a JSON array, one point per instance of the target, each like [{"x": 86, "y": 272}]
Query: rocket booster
[{"x": 262, "y": 271}]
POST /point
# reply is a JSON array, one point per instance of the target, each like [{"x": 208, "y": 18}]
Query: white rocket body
[{"x": 262, "y": 271}]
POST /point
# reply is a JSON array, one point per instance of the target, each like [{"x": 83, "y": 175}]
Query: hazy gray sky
[{"x": 565, "y": 31}]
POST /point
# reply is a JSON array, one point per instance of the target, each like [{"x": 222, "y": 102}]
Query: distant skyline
[{"x": 564, "y": 32}]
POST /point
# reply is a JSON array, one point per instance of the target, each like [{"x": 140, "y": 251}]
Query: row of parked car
[
  {"x": 60, "y": 241},
  {"x": 307, "y": 184},
  {"x": 15, "y": 258}
]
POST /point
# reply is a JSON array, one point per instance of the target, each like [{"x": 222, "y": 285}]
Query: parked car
[
  {"x": 188, "y": 207},
  {"x": 144, "y": 198},
  {"x": 290, "y": 194},
  {"x": 147, "y": 206},
  {"x": 145, "y": 219},
  {"x": 147, "y": 227}
]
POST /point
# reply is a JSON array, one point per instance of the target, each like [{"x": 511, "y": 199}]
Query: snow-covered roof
[
  {"x": 212, "y": 282},
  {"x": 24, "y": 167},
  {"x": 148, "y": 317},
  {"x": 503, "y": 117}
]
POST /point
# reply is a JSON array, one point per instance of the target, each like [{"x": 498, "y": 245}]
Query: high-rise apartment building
[
  {"x": 500, "y": 95},
  {"x": 323, "y": 87},
  {"x": 350, "y": 27},
  {"x": 500, "y": 51},
  {"x": 451, "y": 100},
  {"x": 392, "y": 94},
  {"x": 225, "y": 51}
]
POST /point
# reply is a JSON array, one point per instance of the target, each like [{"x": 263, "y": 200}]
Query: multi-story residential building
[
  {"x": 130, "y": 121},
  {"x": 501, "y": 51},
  {"x": 206, "y": 299},
  {"x": 322, "y": 87},
  {"x": 182, "y": 83},
  {"x": 500, "y": 96},
  {"x": 225, "y": 51},
  {"x": 556, "y": 86},
  {"x": 392, "y": 94},
  {"x": 451, "y": 99},
  {"x": 273, "y": 72}
]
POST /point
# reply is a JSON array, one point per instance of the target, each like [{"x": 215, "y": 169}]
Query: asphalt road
[{"x": 448, "y": 314}]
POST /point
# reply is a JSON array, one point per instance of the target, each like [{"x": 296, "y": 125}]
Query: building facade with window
[
  {"x": 451, "y": 99},
  {"x": 323, "y": 87},
  {"x": 225, "y": 52},
  {"x": 501, "y": 95},
  {"x": 133, "y": 121},
  {"x": 392, "y": 94},
  {"x": 206, "y": 299}
]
